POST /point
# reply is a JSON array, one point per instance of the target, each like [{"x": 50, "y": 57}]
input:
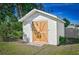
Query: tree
[
  {"x": 10, "y": 28},
  {"x": 40, "y": 6},
  {"x": 67, "y": 22},
  {"x": 22, "y": 9}
]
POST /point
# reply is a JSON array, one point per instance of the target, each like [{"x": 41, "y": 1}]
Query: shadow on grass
[{"x": 69, "y": 43}]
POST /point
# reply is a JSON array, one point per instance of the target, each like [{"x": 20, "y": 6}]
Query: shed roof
[{"x": 39, "y": 11}]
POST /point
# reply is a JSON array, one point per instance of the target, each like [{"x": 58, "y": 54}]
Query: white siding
[
  {"x": 27, "y": 37},
  {"x": 27, "y": 30},
  {"x": 60, "y": 30},
  {"x": 52, "y": 28}
]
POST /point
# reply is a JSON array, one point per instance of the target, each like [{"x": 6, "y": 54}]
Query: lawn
[{"x": 17, "y": 48}]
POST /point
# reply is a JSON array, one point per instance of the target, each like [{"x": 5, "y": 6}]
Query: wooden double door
[{"x": 40, "y": 31}]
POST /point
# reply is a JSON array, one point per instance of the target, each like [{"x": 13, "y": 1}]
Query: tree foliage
[
  {"x": 67, "y": 22},
  {"x": 10, "y": 28}
]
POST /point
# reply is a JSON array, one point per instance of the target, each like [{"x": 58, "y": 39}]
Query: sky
[{"x": 64, "y": 10}]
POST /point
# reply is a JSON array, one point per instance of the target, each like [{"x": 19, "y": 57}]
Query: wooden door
[{"x": 40, "y": 31}]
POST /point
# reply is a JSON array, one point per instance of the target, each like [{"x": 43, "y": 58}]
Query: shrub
[
  {"x": 15, "y": 35},
  {"x": 62, "y": 40},
  {"x": 10, "y": 31}
]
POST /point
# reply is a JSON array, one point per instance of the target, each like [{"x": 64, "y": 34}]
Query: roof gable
[{"x": 38, "y": 11}]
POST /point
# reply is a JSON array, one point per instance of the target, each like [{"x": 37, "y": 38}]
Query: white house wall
[
  {"x": 27, "y": 33},
  {"x": 52, "y": 28},
  {"x": 60, "y": 28},
  {"x": 27, "y": 30}
]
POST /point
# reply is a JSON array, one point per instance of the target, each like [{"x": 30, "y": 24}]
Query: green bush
[
  {"x": 15, "y": 35},
  {"x": 62, "y": 40},
  {"x": 10, "y": 31}
]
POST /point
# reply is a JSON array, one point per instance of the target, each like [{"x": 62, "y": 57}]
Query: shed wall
[
  {"x": 60, "y": 30},
  {"x": 52, "y": 28}
]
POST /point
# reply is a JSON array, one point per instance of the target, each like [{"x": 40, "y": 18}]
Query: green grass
[{"x": 16, "y": 48}]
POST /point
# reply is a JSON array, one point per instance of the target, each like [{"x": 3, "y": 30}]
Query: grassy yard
[{"x": 13, "y": 48}]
